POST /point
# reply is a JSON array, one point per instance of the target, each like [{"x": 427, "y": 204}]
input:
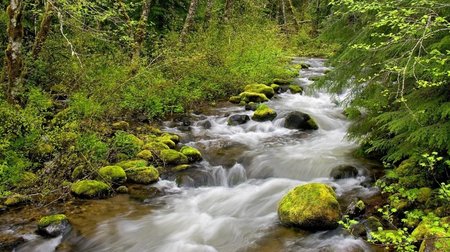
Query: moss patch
[
  {"x": 191, "y": 153},
  {"x": 16, "y": 199},
  {"x": 173, "y": 157},
  {"x": 132, "y": 163},
  {"x": 51, "y": 219},
  {"x": 156, "y": 147},
  {"x": 260, "y": 88},
  {"x": 295, "y": 89},
  {"x": 28, "y": 179},
  {"x": 145, "y": 154},
  {"x": 115, "y": 174},
  {"x": 142, "y": 175},
  {"x": 253, "y": 97},
  {"x": 310, "y": 206},
  {"x": 90, "y": 189},
  {"x": 264, "y": 113}
]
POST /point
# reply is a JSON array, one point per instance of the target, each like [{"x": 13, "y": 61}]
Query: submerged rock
[
  {"x": 113, "y": 173},
  {"x": 90, "y": 189},
  {"x": 191, "y": 153},
  {"x": 142, "y": 175},
  {"x": 300, "y": 121},
  {"x": 53, "y": 225},
  {"x": 264, "y": 113},
  {"x": 344, "y": 171},
  {"x": 238, "y": 119},
  {"x": 260, "y": 88},
  {"x": 312, "y": 206}
]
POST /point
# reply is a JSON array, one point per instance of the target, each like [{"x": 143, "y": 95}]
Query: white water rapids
[{"x": 236, "y": 209}]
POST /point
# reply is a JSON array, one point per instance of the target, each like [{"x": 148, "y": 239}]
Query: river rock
[
  {"x": 191, "y": 153},
  {"x": 344, "y": 171},
  {"x": 238, "y": 119},
  {"x": 142, "y": 175},
  {"x": 300, "y": 121},
  {"x": 253, "y": 97},
  {"x": 312, "y": 206},
  {"x": 145, "y": 154},
  {"x": 53, "y": 225},
  {"x": 16, "y": 200},
  {"x": 282, "y": 82},
  {"x": 155, "y": 147},
  {"x": 264, "y": 113},
  {"x": 295, "y": 89},
  {"x": 305, "y": 65},
  {"x": 173, "y": 157},
  {"x": 251, "y": 106},
  {"x": 90, "y": 189},
  {"x": 113, "y": 173},
  {"x": 260, "y": 88},
  {"x": 205, "y": 124},
  {"x": 355, "y": 208}
]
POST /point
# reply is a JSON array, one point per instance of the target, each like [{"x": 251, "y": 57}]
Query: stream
[{"x": 228, "y": 201}]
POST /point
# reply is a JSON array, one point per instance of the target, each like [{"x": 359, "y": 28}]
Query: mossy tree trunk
[
  {"x": 140, "y": 33},
  {"x": 44, "y": 29},
  {"x": 14, "y": 60},
  {"x": 291, "y": 9},
  {"x": 189, "y": 22},
  {"x": 228, "y": 9}
]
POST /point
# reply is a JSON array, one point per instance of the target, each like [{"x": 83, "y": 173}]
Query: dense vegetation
[{"x": 73, "y": 68}]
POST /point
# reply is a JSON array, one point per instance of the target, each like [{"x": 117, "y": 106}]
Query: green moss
[
  {"x": 90, "y": 189},
  {"x": 142, "y": 175},
  {"x": 167, "y": 140},
  {"x": 413, "y": 181},
  {"x": 260, "y": 88},
  {"x": 295, "y": 89},
  {"x": 115, "y": 174},
  {"x": 235, "y": 99},
  {"x": 51, "y": 219},
  {"x": 191, "y": 153},
  {"x": 121, "y": 125},
  {"x": 282, "y": 81},
  {"x": 174, "y": 137},
  {"x": 310, "y": 206},
  {"x": 360, "y": 205},
  {"x": 253, "y": 97},
  {"x": 312, "y": 124},
  {"x": 173, "y": 157},
  {"x": 264, "y": 113},
  {"x": 181, "y": 167},
  {"x": 145, "y": 154},
  {"x": 275, "y": 87},
  {"x": 16, "y": 199},
  {"x": 431, "y": 226},
  {"x": 122, "y": 189},
  {"x": 132, "y": 163},
  {"x": 156, "y": 147},
  {"x": 127, "y": 143},
  {"x": 27, "y": 180},
  {"x": 77, "y": 173},
  {"x": 424, "y": 194}
]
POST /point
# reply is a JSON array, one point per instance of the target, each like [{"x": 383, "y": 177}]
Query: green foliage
[
  {"x": 126, "y": 143},
  {"x": 92, "y": 147},
  {"x": 348, "y": 223},
  {"x": 399, "y": 239}
]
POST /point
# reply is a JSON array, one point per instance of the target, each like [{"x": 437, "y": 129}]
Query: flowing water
[{"x": 228, "y": 202}]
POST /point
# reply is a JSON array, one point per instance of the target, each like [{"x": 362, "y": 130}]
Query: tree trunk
[
  {"x": 139, "y": 36},
  {"x": 14, "y": 61},
  {"x": 283, "y": 12},
  {"x": 317, "y": 19},
  {"x": 208, "y": 14},
  {"x": 292, "y": 11},
  {"x": 228, "y": 10},
  {"x": 43, "y": 30},
  {"x": 189, "y": 20}
]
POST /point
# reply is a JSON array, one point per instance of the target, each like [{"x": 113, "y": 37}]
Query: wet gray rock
[
  {"x": 238, "y": 119},
  {"x": 54, "y": 225},
  {"x": 299, "y": 120},
  {"x": 344, "y": 171},
  {"x": 205, "y": 124}
]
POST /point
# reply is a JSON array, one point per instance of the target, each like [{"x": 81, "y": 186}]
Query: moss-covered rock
[
  {"x": 424, "y": 194},
  {"x": 90, "y": 189},
  {"x": 251, "y": 106},
  {"x": 145, "y": 154},
  {"x": 264, "y": 113},
  {"x": 275, "y": 88},
  {"x": 253, "y": 97},
  {"x": 16, "y": 200},
  {"x": 167, "y": 140},
  {"x": 27, "y": 180},
  {"x": 237, "y": 120},
  {"x": 142, "y": 175},
  {"x": 113, "y": 173},
  {"x": 235, "y": 99},
  {"x": 132, "y": 163},
  {"x": 181, "y": 167},
  {"x": 78, "y": 172},
  {"x": 427, "y": 228},
  {"x": 156, "y": 147},
  {"x": 260, "y": 88},
  {"x": 435, "y": 244},
  {"x": 282, "y": 81},
  {"x": 174, "y": 137},
  {"x": 173, "y": 157},
  {"x": 126, "y": 143},
  {"x": 299, "y": 120},
  {"x": 295, "y": 89},
  {"x": 53, "y": 225},
  {"x": 191, "y": 153},
  {"x": 311, "y": 206},
  {"x": 121, "y": 125},
  {"x": 122, "y": 189}
]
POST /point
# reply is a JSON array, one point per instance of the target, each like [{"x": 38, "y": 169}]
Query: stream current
[{"x": 228, "y": 202}]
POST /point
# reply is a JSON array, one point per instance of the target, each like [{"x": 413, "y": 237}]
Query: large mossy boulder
[
  {"x": 90, "y": 189},
  {"x": 237, "y": 120},
  {"x": 155, "y": 147},
  {"x": 53, "y": 225},
  {"x": 113, "y": 173},
  {"x": 174, "y": 137},
  {"x": 253, "y": 97},
  {"x": 264, "y": 113},
  {"x": 167, "y": 140},
  {"x": 191, "y": 153},
  {"x": 173, "y": 157},
  {"x": 312, "y": 206},
  {"x": 142, "y": 175},
  {"x": 260, "y": 88},
  {"x": 132, "y": 163},
  {"x": 300, "y": 121}
]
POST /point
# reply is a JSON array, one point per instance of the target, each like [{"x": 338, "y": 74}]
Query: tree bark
[
  {"x": 189, "y": 20},
  {"x": 283, "y": 12},
  {"x": 14, "y": 61},
  {"x": 43, "y": 29},
  {"x": 291, "y": 9},
  {"x": 141, "y": 31},
  {"x": 229, "y": 4}
]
